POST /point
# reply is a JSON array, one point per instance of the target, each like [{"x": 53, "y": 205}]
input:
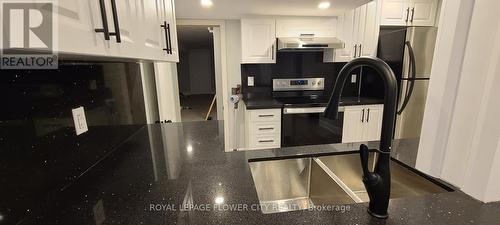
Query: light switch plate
[
  {"x": 251, "y": 81},
  {"x": 80, "y": 121},
  {"x": 353, "y": 78}
]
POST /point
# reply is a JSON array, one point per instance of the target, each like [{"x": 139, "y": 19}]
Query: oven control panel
[{"x": 299, "y": 84}]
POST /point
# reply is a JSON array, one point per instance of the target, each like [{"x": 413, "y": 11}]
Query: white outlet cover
[
  {"x": 80, "y": 120},
  {"x": 353, "y": 78},
  {"x": 251, "y": 81}
]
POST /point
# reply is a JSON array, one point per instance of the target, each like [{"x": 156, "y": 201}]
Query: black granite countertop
[
  {"x": 160, "y": 167},
  {"x": 268, "y": 102}
]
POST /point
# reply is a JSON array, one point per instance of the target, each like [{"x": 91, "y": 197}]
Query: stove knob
[
  {"x": 319, "y": 83},
  {"x": 314, "y": 83}
]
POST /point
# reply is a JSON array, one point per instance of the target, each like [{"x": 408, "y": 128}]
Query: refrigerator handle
[{"x": 411, "y": 80}]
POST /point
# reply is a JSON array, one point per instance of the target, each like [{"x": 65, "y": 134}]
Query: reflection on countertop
[
  {"x": 267, "y": 101},
  {"x": 161, "y": 168}
]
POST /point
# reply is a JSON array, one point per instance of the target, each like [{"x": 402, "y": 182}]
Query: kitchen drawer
[
  {"x": 265, "y": 115},
  {"x": 263, "y": 141},
  {"x": 264, "y": 127}
]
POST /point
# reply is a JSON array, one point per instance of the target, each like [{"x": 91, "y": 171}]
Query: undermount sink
[{"x": 297, "y": 184}]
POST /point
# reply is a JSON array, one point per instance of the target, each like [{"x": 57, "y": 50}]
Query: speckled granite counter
[
  {"x": 172, "y": 164},
  {"x": 268, "y": 102}
]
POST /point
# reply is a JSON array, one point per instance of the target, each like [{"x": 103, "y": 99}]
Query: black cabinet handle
[
  {"x": 355, "y": 50},
  {"x": 266, "y": 141},
  {"x": 116, "y": 22},
  {"x": 368, "y": 116},
  {"x": 363, "y": 116},
  {"x": 407, "y": 14},
  {"x": 272, "y": 52},
  {"x": 266, "y": 128},
  {"x": 166, "y": 27},
  {"x": 412, "y": 14},
  {"x": 105, "y": 28},
  {"x": 266, "y": 115},
  {"x": 360, "y": 50}
]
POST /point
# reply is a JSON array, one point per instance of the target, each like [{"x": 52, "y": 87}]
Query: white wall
[
  {"x": 448, "y": 58},
  {"x": 167, "y": 88},
  {"x": 150, "y": 94},
  {"x": 463, "y": 108},
  {"x": 201, "y": 72},
  {"x": 233, "y": 46}
]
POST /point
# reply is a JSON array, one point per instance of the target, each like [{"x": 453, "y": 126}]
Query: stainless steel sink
[{"x": 297, "y": 184}]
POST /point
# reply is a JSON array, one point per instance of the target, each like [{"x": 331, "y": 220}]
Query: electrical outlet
[
  {"x": 353, "y": 78},
  {"x": 251, "y": 81},
  {"x": 80, "y": 121}
]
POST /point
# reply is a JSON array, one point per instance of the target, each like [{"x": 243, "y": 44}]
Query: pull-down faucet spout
[{"x": 378, "y": 182}]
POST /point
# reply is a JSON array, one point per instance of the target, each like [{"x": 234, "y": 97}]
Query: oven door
[{"x": 308, "y": 126}]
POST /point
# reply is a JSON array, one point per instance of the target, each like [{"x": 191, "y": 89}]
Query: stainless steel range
[{"x": 303, "y": 123}]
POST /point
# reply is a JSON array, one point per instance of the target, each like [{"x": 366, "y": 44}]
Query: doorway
[{"x": 197, "y": 69}]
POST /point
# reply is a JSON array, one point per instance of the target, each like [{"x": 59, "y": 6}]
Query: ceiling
[{"x": 234, "y": 9}]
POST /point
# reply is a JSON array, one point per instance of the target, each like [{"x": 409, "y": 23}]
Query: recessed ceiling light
[
  {"x": 324, "y": 5},
  {"x": 189, "y": 148},
  {"x": 206, "y": 3}
]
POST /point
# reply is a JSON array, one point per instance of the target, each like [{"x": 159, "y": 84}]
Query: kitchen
[{"x": 274, "y": 147}]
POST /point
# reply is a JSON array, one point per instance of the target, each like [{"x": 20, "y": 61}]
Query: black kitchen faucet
[{"x": 378, "y": 182}]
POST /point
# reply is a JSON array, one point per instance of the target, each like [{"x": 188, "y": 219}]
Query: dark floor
[{"x": 195, "y": 107}]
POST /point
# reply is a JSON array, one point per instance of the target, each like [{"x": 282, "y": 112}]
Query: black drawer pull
[
  {"x": 266, "y": 141},
  {"x": 105, "y": 27},
  {"x": 266, "y": 115},
  {"x": 116, "y": 22},
  {"x": 266, "y": 128}
]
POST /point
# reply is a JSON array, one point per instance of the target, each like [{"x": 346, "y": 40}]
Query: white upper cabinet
[
  {"x": 424, "y": 12},
  {"x": 126, "y": 11},
  {"x": 359, "y": 31},
  {"x": 159, "y": 39},
  {"x": 258, "y": 39},
  {"x": 345, "y": 33},
  {"x": 77, "y": 22},
  {"x": 409, "y": 12},
  {"x": 173, "y": 42},
  {"x": 297, "y": 26},
  {"x": 89, "y": 27},
  {"x": 395, "y": 12}
]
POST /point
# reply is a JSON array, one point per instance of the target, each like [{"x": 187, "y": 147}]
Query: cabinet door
[
  {"x": 77, "y": 22},
  {"x": 296, "y": 26},
  {"x": 373, "y": 123},
  {"x": 169, "y": 15},
  {"x": 258, "y": 39},
  {"x": 369, "y": 36},
  {"x": 353, "y": 125},
  {"x": 423, "y": 12},
  {"x": 394, "y": 12},
  {"x": 127, "y": 15},
  {"x": 153, "y": 39},
  {"x": 346, "y": 34}
]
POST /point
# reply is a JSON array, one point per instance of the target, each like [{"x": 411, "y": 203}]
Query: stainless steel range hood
[{"x": 308, "y": 43}]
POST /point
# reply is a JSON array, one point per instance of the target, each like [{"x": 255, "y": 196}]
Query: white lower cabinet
[
  {"x": 263, "y": 129},
  {"x": 362, "y": 123}
]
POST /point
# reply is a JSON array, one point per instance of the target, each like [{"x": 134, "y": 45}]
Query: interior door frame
[{"x": 220, "y": 70}]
